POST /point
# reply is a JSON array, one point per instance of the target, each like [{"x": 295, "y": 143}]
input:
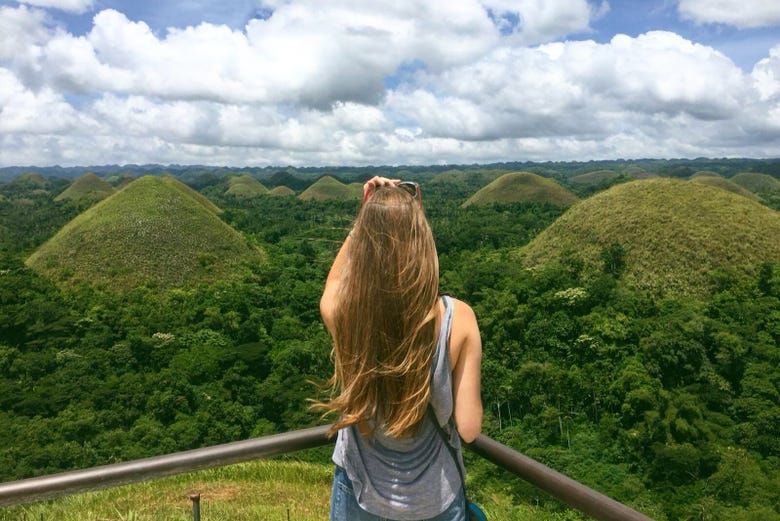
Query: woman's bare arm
[
  {"x": 332, "y": 284},
  {"x": 466, "y": 374}
]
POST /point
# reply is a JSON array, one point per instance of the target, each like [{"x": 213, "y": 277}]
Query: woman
[{"x": 405, "y": 357}]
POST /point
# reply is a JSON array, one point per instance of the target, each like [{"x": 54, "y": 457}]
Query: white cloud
[
  {"x": 577, "y": 88},
  {"x": 537, "y": 21},
  {"x": 309, "y": 85},
  {"x": 25, "y": 111},
  {"x": 75, "y": 6},
  {"x": 739, "y": 13},
  {"x": 766, "y": 74}
]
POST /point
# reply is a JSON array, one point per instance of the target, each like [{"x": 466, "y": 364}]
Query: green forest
[{"x": 668, "y": 401}]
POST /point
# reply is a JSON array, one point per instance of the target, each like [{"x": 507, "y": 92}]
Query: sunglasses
[
  {"x": 412, "y": 189},
  {"x": 409, "y": 187}
]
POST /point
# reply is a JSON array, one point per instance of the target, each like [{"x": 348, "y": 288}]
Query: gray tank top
[{"x": 411, "y": 478}]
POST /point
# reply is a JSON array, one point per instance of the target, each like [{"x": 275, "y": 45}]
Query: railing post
[{"x": 195, "y": 506}]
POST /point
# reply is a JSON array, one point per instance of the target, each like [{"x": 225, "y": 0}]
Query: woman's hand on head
[{"x": 375, "y": 182}]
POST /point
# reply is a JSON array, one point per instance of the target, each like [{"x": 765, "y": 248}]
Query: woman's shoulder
[{"x": 463, "y": 330}]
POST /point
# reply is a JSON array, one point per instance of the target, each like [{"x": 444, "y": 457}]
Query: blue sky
[
  {"x": 632, "y": 17},
  {"x": 350, "y": 82}
]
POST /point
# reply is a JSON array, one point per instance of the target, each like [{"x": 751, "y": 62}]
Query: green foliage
[{"x": 670, "y": 405}]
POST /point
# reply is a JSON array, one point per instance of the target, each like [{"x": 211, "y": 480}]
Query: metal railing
[{"x": 563, "y": 488}]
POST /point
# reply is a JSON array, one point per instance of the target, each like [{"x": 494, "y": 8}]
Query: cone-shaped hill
[
  {"x": 245, "y": 187},
  {"x": 281, "y": 191},
  {"x": 155, "y": 229},
  {"x": 704, "y": 173},
  {"x": 673, "y": 233},
  {"x": 33, "y": 179},
  {"x": 593, "y": 177},
  {"x": 88, "y": 188},
  {"x": 756, "y": 183},
  {"x": 723, "y": 184},
  {"x": 327, "y": 188},
  {"x": 520, "y": 187}
]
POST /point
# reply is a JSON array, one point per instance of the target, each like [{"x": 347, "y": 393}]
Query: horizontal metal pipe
[
  {"x": 45, "y": 487},
  {"x": 557, "y": 485},
  {"x": 563, "y": 488}
]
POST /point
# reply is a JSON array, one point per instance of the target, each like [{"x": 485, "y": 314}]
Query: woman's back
[
  {"x": 414, "y": 477},
  {"x": 402, "y": 357}
]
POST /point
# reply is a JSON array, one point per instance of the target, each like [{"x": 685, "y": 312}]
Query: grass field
[{"x": 267, "y": 490}]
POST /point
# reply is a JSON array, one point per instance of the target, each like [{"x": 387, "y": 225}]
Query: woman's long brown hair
[{"x": 384, "y": 327}]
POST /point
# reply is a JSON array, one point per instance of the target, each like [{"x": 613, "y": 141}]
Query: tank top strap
[{"x": 440, "y": 361}]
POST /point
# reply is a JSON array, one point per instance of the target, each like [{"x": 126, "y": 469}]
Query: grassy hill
[
  {"x": 520, "y": 187},
  {"x": 674, "y": 233},
  {"x": 637, "y": 172},
  {"x": 755, "y": 182},
  {"x": 87, "y": 188},
  {"x": 326, "y": 188},
  {"x": 245, "y": 187},
  {"x": 155, "y": 229},
  {"x": 120, "y": 180},
  {"x": 724, "y": 184},
  {"x": 467, "y": 177},
  {"x": 281, "y": 191},
  {"x": 259, "y": 490},
  {"x": 593, "y": 177},
  {"x": 30, "y": 179},
  {"x": 704, "y": 173}
]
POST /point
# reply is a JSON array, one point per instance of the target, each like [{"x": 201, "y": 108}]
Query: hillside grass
[
  {"x": 723, "y": 184},
  {"x": 519, "y": 187},
  {"x": 329, "y": 188},
  {"x": 704, "y": 173},
  {"x": 88, "y": 187},
  {"x": 155, "y": 230},
  {"x": 756, "y": 182},
  {"x": 30, "y": 178},
  {"x": 260, "y": 490},
  {"x": 245, "y": 186},
  {"x": 593, "y": 177},
  {"x": 674, "y": 232}
]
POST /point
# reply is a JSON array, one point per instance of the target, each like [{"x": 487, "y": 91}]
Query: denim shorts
[{"x": 344, "y": 506}]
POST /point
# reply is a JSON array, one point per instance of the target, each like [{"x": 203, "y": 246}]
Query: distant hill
[
  {"x": 245, "y": 187},
  {"x": 756, "y": 183},
  {"x": 281, "y": 191},
  {"x": 704, "y": 173},
  {"x": 87, "y": 188},
  {"x": 120, "y": 180},
  {"x": 674, "y": 233},
  {"x": 638, "y": 172},
  {"x": 327, "y": 188},
  {"x": 30, "y": 179},
  {"x": 156, "y": 229},
  {"x": 518, "y": 187},
  {"x": 286, "y": 179},
  {"x": 467, "y": 177},
  {"x": 356, "y": 189},
  {"x": 593, "y": 177},
  {"x": 724, "y": 184}
]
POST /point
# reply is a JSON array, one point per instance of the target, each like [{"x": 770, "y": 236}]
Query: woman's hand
[{"x": 376, "y": 181}]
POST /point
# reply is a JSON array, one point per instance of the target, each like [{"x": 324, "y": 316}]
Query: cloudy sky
[{"x": 353, "y": 82}]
